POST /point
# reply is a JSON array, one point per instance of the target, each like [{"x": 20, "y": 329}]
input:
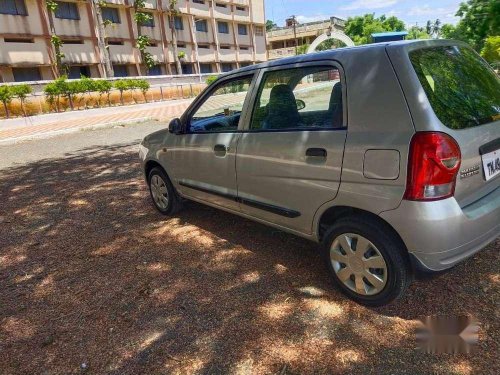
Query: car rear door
[{"x": 289, "y": 158}]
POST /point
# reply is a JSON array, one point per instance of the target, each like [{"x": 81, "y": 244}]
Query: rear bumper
[{"x": 440, "y": 234}]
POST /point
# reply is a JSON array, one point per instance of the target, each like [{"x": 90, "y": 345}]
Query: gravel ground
[{"x": 93, "y": 280}]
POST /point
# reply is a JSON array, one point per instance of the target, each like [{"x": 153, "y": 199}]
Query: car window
[
  {"x": 299, "y": 98},
  {"x": 222, "y": 110},
  {"x": 462, "y": 89}
]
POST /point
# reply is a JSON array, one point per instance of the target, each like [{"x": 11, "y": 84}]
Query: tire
[
  {"x": 163, "y": 194},
  {"x": 373, "y": 286}
]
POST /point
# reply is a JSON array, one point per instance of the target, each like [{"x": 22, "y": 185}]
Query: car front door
[
  {"x": 204, "y": 156},
  {"x": 289, "y": 157}
]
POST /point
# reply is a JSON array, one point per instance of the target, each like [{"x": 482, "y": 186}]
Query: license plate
[{"x": 491, "y": 164}]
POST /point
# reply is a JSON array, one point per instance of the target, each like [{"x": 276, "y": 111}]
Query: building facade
[
  {"x": 212, "y": 36},
  {"x": 281, "y": 41}
]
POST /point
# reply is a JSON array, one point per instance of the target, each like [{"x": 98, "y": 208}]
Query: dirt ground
[{"x": 93, "y": 280}]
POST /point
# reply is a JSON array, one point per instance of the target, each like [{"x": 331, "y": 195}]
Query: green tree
[
  {"x": 103, "y": 87},
  {"x": 416, "y": 32},
  {"x": 360, "y": 28},
  {"x": 143, "y": 86},
  {"x": 478, "y": 20},
  {"x": 6, "y": 97},
  {"x": 21, "y": 92},
  {"x": 491, "y": 49},
  {"x": 270, "y": 25},
  {"x": 122, "y": 85},
  {"x": 302, "y": 50}
]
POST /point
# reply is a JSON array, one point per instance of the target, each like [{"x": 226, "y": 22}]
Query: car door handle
[
  {"x": 316, "y": 152},
  {"x": 221, "y": 148}
]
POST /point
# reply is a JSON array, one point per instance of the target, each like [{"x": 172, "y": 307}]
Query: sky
[{"x": 410, "y": 11}]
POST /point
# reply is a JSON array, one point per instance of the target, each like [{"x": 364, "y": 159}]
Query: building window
[
  {"x": 206, "y": 68},
  {"x": 114, "y": 42},
  {"x": 18, "y": 40},
  {"x": 259, "y": 30},
  {"x": 242, "y": 29},
  {"x": 223, "y": 27},
  {"x": 76, "y": 72},
  {"x": 241, "y": 9},
  {"x": 178, "y": 24},
  {"x": 26, "y": 74},
  {"x": 187, "y": 68},
  {"x": 244, "y": 48},
  {"x": 225, "y": 47},
  {"x": 220, "y": 5},
  {"x": 204, "y": 46},
  {"x": 150, "y": 22},
  {"x": 14, "y": 7},
  {"x": 67, "y": 11},
  {"x": 73, "y": 41},
  {"x": 155, "y": 71},
  {"x": 120, "y": 70},
  {"x": 199, "y": 1},
  {"x": 226, "y": 67},
  {"x": 202, "y": 26},
  {"x": 181, "y": 45},
  {"x": 111, "y": 14}
]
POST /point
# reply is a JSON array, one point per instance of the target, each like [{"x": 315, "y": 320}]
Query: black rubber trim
[
  {"x": 209, "y": 191},
  {"x": 490, "y": 147},
  {"x": 261, "y": 206},
  {"x": 270, "y": 208}
]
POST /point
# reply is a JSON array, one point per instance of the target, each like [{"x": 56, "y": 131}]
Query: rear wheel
[
  {"x": 163, "y": 194},
  {"x": 366, "y": 260}
]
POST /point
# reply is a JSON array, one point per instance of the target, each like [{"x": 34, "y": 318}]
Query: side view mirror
[
  {"x": 175, "y": 126},
  {"x": 300, "y": 104}
]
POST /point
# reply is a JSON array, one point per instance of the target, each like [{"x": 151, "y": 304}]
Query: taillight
[{"x": 433, "y": 166}]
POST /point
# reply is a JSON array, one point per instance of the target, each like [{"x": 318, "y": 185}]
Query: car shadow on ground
[{"x": 94, "y": 280}]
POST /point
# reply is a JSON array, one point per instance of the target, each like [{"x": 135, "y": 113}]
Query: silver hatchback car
[{"x": 387, "y": 154}]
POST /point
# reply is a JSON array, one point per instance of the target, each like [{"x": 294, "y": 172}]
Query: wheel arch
[
  {"x": 334, "y": 213},
  {"x": 149, "y": 165}
]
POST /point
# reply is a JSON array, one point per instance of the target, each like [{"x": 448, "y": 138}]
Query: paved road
[
  {"x": 43, "y": 126},
  {"x": 61, "y": 145}
]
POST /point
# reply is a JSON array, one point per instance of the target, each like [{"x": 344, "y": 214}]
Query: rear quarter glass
[{"x": 463, "y": 90}]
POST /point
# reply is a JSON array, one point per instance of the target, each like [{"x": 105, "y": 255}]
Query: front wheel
[
  {"x": 163, "y": 194},
  {"x": 366, "y": 260}
]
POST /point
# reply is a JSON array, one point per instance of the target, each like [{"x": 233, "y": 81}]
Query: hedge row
[
  {"x": 70, "y": 89},
  {"x": 7, "y": 93}
]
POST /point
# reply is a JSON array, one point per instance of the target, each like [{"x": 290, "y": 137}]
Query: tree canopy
[{"x": 360, "y": 28}]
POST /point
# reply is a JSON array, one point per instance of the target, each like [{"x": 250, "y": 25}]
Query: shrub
[
  {"x": 21, "y": 92},
  {"x": 6, "y": 97},
  {"x": 103, "y": 87},
  {"x": 211, "y": 79},
  {"x": 144, "y": 86},
  {"x": 121, "y": 85}
]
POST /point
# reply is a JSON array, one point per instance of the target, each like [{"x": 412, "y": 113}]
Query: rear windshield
[{"x": 462, "y": 89}]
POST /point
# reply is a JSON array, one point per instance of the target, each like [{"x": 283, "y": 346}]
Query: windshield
[{"x": 462, "y": 89}]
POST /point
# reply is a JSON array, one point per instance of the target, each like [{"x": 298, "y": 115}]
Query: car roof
[{"x": 333, "y": 54}]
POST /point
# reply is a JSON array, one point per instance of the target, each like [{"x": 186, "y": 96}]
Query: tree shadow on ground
[{"x": 91, "y": 274}]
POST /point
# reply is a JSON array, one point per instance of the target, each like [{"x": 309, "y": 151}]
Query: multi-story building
[
  {"x": 281, "y": 41},
  {"x": 212, "y": 36}
]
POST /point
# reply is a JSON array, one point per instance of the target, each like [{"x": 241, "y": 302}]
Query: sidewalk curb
[{"x": 50, "y": 134}]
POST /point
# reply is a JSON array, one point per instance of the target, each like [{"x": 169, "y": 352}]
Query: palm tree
[
  {"x": 172, "y": 12},
  {"x": 436, "y": 28},
  {"x": 51, "y": 7},
  {"x": 101, "y": 39}
]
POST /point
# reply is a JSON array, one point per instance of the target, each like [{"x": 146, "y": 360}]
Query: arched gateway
[{"x": 330, "y": 35}]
